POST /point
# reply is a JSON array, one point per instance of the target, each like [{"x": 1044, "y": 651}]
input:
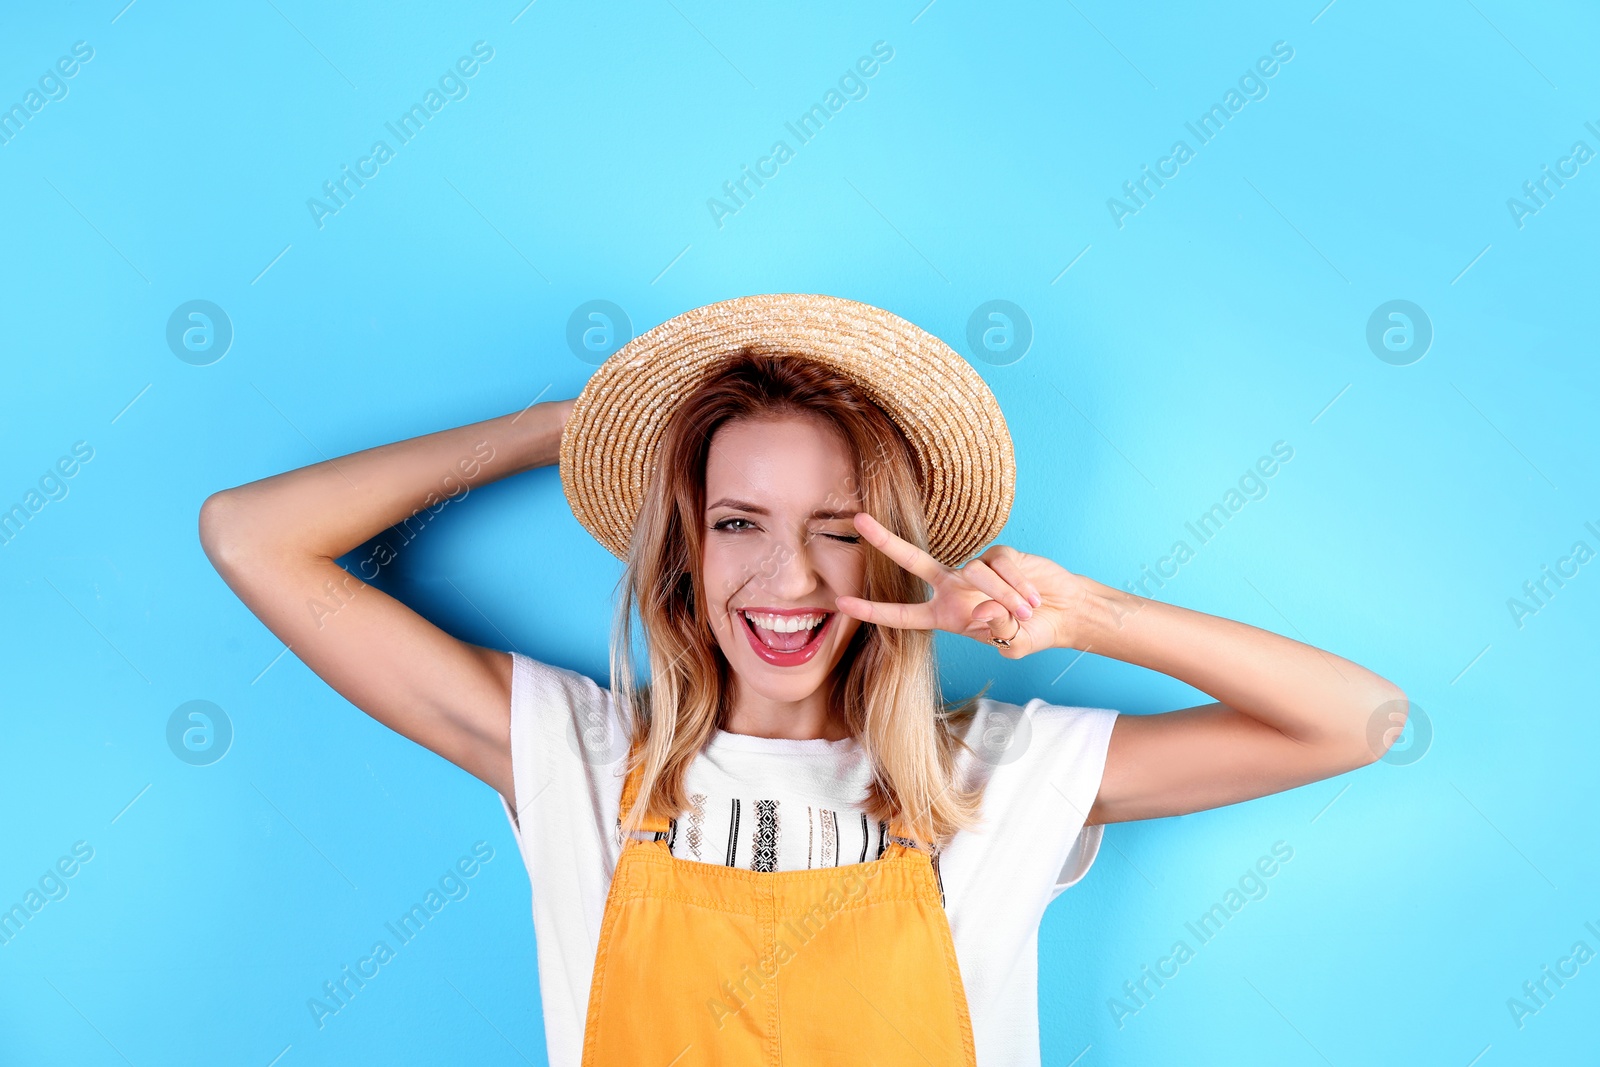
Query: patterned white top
[{"x": 745, "y": 809}]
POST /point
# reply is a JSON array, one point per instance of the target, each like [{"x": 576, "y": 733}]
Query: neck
[{"x": 796, "y": 720}]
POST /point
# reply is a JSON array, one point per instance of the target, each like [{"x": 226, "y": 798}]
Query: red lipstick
[{"x": 779, "y": 658}]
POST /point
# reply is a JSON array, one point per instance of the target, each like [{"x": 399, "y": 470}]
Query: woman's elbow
[
  {"x": 222, "y": 529},
  {"x": 1384, "y": 721}
]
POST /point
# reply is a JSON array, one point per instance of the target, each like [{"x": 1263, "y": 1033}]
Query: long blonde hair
[{"x": 885, "y": 687}]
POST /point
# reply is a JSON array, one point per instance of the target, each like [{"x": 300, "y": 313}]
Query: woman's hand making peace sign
[{"x": 1028, "y": 600}]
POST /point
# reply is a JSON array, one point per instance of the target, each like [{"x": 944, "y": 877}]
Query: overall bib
[{"x": 705, "y": 964}]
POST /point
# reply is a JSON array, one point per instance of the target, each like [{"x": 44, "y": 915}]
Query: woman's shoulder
[
  {"x": 547, "y": 699},
  {"x": 1038, "y": 765},
  {"x": 1000, "y": 733},
  {"x": 533, "y": 678}
]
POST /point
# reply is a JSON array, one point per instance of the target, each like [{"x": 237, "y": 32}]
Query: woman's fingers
[
  {"x": 897, "y": 548},
  {"x": 983, "y": 577},
  {"x": 994, "y": 615},
  {"x": 919, "y": 616},
  {"x": 1001, "y": 624},
  {"x": 1006, "y": 563},
  {"x": 997, "y": 575}
]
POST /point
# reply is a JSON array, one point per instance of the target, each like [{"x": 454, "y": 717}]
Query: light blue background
[{"x": 1228, "y": 314}]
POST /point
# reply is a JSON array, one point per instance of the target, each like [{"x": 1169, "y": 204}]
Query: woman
[{"x": 787, "y": 848}]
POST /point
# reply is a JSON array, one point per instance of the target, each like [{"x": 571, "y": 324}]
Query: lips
[{"x": 780, "y": 657}]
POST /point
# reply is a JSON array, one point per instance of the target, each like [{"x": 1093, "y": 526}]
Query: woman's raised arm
[
  {"x": 1284, "y": 713},
  {"x": 274, "y": 542}
]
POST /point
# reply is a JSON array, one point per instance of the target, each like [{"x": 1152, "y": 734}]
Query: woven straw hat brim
[{"x": 941, "y": 404}]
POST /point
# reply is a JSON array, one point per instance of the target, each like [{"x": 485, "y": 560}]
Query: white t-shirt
[{"x": 1043, "y": 766}]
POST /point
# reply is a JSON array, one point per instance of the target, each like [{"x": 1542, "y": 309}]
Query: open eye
[{"x": 724, "y": 524}]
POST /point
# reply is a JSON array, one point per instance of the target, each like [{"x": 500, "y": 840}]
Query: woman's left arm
[{"x": 1284, "y": 713}]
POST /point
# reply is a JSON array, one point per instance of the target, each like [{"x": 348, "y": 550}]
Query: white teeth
[{"x": 784, "y": 624}]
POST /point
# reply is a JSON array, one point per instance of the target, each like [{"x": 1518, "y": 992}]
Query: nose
[{"x": 787, "y": 573}]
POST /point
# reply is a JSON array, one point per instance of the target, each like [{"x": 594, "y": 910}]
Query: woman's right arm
[{"x": 274, "y": 542}]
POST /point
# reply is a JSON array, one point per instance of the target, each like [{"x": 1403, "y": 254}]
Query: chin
[{"x": 781, "y": 685}]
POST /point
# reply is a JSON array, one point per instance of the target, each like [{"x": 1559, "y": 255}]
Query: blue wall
[{"x": 1175, "y": 340}]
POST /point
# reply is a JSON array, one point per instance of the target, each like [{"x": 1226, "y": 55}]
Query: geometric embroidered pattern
[
  {"x": 697, "y": 818},
  {"x": 764, "y": 837}
]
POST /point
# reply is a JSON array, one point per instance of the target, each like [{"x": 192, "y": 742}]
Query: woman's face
[{"x": 779, "y": 546}]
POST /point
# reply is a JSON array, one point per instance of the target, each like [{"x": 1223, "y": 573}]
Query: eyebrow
[{"x": 757, "y": 509}]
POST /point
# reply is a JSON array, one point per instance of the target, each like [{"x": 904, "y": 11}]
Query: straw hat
[{"x": 938, "y": 401}]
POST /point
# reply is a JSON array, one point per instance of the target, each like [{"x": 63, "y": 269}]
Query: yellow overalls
[{"x": 706, "y": 964}]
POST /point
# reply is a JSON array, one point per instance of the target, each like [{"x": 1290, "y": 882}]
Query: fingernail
[
  {"x": 1033, "y": 598},
  {"x": 1024, "y": 611}
]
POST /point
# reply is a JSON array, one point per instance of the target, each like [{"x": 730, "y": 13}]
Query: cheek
[
  {"x": 716, "y": 587},
  {"x": 727, "y": 568},
  {"x": 718, "y": 591},
  {"x": 846, "y": 573}
]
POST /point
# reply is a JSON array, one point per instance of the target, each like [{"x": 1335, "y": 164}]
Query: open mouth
[{"x": 786, "y": 641}]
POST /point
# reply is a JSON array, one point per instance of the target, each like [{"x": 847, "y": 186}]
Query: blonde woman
[{"x": 787, "y": 847}]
